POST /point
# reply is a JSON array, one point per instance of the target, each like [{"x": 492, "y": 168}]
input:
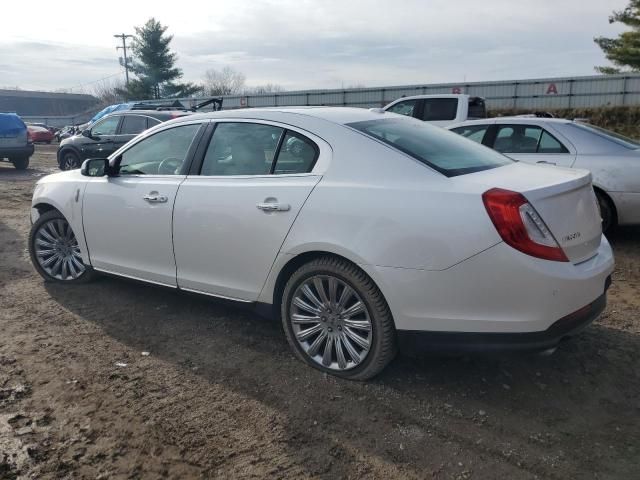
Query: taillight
[{"x": 520, "y": 226}]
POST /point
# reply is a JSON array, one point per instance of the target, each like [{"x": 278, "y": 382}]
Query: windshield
[
  {"x": 609, "y": 135},
  {"x": 444, "y": 151}
]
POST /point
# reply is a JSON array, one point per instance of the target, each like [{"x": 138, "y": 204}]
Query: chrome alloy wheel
[
  {"x": 57, "y": 251},
  {"x": 331, "y": 322}
]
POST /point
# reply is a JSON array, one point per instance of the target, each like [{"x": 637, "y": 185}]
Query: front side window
[
  {"x": 160, "y": 154},
  {"x": 406, "y": 107},
  {"x": 526, "y": 139},
  {"x": 133, "y": 125},
  {"x": 239, "y": 148},
  {"x": 108, "y": 126},
  {"x": 472, "y": 132},
  {"x": 441, "y": 150},
  {"x": 440, "y": 109}
]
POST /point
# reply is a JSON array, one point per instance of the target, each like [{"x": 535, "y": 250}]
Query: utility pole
[{"x": 124, "y": 50}]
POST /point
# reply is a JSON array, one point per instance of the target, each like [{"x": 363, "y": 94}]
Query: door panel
[
  {"x": 228, "y": 230},
  {"x": 128, "y": 234}
]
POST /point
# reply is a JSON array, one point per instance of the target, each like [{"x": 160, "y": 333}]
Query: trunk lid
[{"x": 564, "y": 199}]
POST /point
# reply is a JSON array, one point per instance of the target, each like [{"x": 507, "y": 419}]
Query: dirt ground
[{"x": 221, "y": 396}]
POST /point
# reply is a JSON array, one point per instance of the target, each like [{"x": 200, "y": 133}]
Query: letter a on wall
[{"x": 552, "y": 89}]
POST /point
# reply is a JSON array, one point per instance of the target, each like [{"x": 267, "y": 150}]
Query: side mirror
[
  {"x": 86, "y": 133},
  {"x": 95, "y": 167}
]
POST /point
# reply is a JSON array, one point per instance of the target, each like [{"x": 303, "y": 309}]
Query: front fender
[{"x": 66, "y": 197}]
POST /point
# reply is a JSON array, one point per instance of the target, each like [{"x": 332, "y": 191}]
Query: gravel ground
[{"x": 221, "y": 396}]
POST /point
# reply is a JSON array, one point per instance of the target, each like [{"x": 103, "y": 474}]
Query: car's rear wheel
[
  {"x": 20, "y": 163},
  {"x": 55, "y": 252},
  {"x": 607, "y": 212},
  {"x": 337, "y": 320},
  {"x": 70, "y": 161}
]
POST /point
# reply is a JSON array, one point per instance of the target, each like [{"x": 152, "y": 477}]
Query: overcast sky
[{"x": 302, "y": 44}]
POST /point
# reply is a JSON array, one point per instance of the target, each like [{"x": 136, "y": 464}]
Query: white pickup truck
[{"x": 440, "y": 110}]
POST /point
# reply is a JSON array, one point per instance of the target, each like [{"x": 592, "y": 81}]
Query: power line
[{"x": 80, "y": 85}]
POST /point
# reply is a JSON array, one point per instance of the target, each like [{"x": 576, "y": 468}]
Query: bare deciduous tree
[
  {"x": 266, "y": 88},
  {"x": 223, "y": 82},
  {"x": 109, "y": 91}
]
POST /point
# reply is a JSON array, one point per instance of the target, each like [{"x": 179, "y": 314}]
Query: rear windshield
[
  {"x": 609, "y": 135},
  {"x": 444, "y": 151},
  {"x": 436, "y": 109}
]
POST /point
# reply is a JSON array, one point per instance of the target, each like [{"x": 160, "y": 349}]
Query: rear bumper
[
  {"x": 562, "y": 329},
  {"x": 22, "y": 151}
]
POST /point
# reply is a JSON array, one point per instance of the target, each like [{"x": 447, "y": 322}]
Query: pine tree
[
  {"x": 154, "y": 65},
  {"x": 623, "y": 51}
]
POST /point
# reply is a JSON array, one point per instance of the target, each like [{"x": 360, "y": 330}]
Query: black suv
[{"x": 108, "y": 134}]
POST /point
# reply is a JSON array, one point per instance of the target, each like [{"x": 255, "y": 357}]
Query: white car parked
[
  {"x": 440, "y": 110},
  {"x": 363, "y": 230},
  {"x": 614, "y": 160}
]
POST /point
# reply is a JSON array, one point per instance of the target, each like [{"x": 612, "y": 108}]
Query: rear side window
[
  {"x": 440, "y": 109},
  {"x": 239, "y": 148},
  {"x": 133, "y": 124},
  {"x": 406, "y": 107},
  {"x": 472, "y": 132},
  {"x": 439, "y": 149},
  {"x": 526, "y": 139}
]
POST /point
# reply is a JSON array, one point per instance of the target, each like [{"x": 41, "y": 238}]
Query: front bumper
[{"x": 445, "y": 342}]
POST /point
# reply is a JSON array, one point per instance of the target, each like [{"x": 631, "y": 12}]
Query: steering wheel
[{"x": 169, "y": 166}]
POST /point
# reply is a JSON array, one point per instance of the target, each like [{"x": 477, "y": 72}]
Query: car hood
[{"x": 70, "y": 175}]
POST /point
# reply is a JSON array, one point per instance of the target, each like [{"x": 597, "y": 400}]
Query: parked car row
[{"x": 364, "y": 231}]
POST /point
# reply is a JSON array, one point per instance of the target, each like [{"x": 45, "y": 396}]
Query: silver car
[{"x": 614, "y": 160}]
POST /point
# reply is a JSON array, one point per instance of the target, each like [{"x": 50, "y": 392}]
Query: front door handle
[
  {"x": 546, "y": 162},
  {"x": 273, "y": 207},
  {"x": 154, "y": 197}
]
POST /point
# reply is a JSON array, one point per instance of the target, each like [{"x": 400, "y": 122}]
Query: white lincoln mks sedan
[{"x": 362, "y": 230}]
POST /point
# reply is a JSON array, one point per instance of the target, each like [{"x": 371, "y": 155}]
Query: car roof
[
  {"x": 512, "y": 120},
  {"x": 159, "y": 114},
  {"x": 337, "y": 115}
]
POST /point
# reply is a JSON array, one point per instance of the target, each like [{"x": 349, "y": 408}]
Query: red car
[{"x": 39, "y": 134}]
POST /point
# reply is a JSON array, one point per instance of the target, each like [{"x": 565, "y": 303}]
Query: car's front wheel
[
  {"x": 70, "y": 161},
  {"x": 337, "y": 320},
  {"x": 55, "y": 252}
]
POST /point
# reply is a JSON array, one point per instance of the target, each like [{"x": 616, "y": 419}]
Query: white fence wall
[
  {"x": 541, "y": 93},
  {"x": 534, "y": 94}
]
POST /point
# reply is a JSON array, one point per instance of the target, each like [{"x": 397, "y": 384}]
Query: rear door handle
[
  {"x": 153, "y": 197},
  {"x": 273, "y": 207},
  {"x": 546, "y": 162}
]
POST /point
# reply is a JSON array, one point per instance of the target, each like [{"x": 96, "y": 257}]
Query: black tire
[
  {"x": 88, "y": 274},
  {"x": 20, "y": 163},
  {"x": 383, "y": 346},
  {"x": 607, "y": 212},
  {"x": 69, "y": 161}
]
